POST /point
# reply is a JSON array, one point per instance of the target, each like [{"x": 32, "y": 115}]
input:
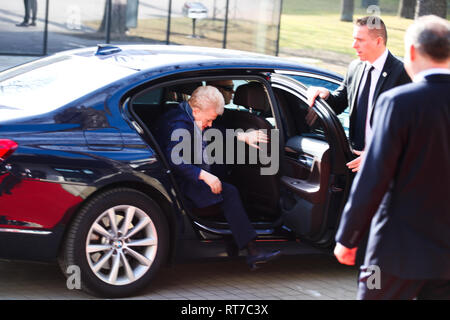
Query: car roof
[{"x": 153, "y": 57}]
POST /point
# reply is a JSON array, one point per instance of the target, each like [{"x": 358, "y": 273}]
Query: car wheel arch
[
  {"x": 86, "y": 234},
  {"x": 165, "y": 205}
]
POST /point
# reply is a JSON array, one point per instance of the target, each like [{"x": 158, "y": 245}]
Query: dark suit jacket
[
  {"x": 404, "y": 184},
  {"x": 186, "y": 168},
  {"x": 346, "y": 95}
]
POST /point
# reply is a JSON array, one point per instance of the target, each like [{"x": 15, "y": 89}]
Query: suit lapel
[
  {"x": 357, "y": 83},
  {"x": 384, "y": 74},
  {"x": 387, "y": 68},
  {"x": 355, "y": 89}
]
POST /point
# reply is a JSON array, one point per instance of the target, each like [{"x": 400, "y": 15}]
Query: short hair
[
  {"x": 431, "y": 36},
  {"x": 206, "y": 96},
  {"x": 375, "y": 25}
]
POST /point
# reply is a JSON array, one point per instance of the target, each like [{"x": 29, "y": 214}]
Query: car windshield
[{"x": 47, "y": 84}]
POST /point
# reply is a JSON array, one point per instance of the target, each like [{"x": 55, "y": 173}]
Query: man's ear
[
  {"x": 412, "y": 53},
  {"x": 380, "y": 41}
]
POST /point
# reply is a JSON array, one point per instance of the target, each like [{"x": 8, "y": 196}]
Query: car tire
[{"x": 118, "y": 241}]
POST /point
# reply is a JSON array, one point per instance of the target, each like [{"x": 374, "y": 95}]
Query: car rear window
[{"x": 47, "y": 84}]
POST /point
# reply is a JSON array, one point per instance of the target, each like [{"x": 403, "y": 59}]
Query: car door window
[
  {"x": 153, "y": 97},
  {"x": 311, "y": 81},
  {"x": 231, "y": 105},
  {"x": 293, "y": 113},
  {"x": 316, "y": 82},
  {"x": 268, "y": 116}
]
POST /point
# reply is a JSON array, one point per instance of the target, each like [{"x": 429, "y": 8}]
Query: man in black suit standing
[
  {"x": 402, "y": 188},
  {"x": 375, "y": 72}
]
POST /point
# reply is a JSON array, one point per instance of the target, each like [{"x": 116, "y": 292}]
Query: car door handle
[
  {"x": 306, "y": 161},
  {"x": 336, "y": 189}
]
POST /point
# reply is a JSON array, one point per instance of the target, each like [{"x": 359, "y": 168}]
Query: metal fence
[{"x": 52, "y": 26}]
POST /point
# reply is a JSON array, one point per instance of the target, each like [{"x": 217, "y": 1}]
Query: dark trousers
[
  {"x": 30, "y": 6},
  {"x": 394, "y": 288},
  {"x": 235, "y": 214}
]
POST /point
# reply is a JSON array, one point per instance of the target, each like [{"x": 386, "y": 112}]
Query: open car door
[{"x": 314, "y": 179}]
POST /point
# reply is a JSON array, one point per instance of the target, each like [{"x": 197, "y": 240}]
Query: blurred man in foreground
[{"x": 401, "y": 191}]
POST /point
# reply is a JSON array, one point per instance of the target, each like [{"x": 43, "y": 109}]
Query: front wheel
[{"x": 119, "y": 240}]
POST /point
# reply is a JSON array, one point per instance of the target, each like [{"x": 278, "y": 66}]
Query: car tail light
[{"x": 7, "y": 147}]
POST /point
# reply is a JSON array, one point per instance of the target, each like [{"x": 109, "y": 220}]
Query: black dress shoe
[
  {"x": 33, "y": 24},
  {"x": 22, "y": 24},
  {"x": 254, "y": 261}
]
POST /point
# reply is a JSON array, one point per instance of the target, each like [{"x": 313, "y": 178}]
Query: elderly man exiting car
[{"x": 203, "y": 189}]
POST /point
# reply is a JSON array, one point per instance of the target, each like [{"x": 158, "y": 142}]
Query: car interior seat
[{"x": 260, "y": 193}]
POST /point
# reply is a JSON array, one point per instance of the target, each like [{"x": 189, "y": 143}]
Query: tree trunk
[
  {"x": 118, "y": 17},
  {"x": 347, "y": 8},
  {"x": 440, "y": 8},
  {"x": 406, "y": 8},
  {"x": 436, "y": 7},
  {"x": 366, "y": 3}
]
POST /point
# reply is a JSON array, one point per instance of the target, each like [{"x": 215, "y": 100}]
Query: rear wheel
[{"x": 119, "y": 240}]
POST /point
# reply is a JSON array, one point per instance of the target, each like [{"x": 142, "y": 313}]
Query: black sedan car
[{"x": 84, "y": 182}]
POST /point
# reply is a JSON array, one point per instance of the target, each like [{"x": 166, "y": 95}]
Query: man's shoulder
[
  {"x": 353, "y": 69},
  {"x": 173, "y": 119},
  {"x": 403, "y": 94},
  {"x": 175, "y": 113},
  {"x": 391, "y": 58},
  {"x": 397, "y": 103},
  {"x": 395, "y": 63},
  {"x": 395, "y": 71},
  {"x": 354, "y": 65},
  {"x": 409, "y": 102}
]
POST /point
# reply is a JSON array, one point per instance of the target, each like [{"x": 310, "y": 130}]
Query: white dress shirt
[{"x": 376, "y": 73}]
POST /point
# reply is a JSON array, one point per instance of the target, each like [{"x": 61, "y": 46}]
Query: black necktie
[{"x": 361, "y": 114}]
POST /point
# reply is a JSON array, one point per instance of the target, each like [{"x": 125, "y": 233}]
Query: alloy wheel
[{"x": 121, "y": 245}]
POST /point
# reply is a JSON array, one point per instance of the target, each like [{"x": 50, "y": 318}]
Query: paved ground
[
  {"x": 68, "y": 29},
  {"x": 295, "y": 277}
]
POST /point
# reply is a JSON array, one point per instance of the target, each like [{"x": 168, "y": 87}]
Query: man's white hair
[
  {"x": 206, "y": 97},
  {"x": 431, "y": 36}
]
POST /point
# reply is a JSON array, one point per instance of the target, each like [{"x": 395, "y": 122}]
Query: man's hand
[
  {"x": 252, "y": 138},
  {"x": 345, "y": 255},
  {"x": 212, "y": 181},
  {"x": 312, "y": 94},
  {"x": 355, "y": 164}
]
